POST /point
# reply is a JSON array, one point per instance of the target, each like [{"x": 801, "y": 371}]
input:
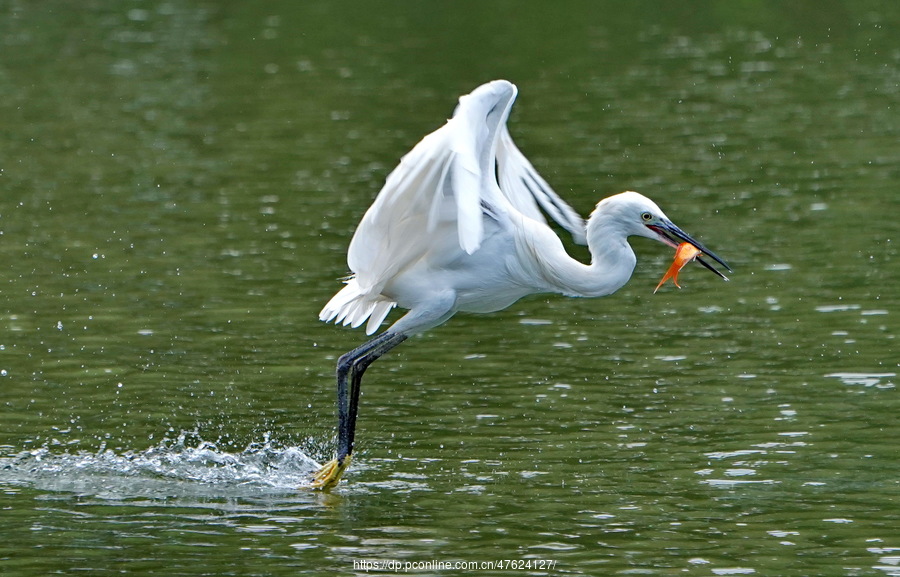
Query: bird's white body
[{"x": 459, "y": 226}]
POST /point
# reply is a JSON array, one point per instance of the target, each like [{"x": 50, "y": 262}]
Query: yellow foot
[{"x": 329, "y": 475}]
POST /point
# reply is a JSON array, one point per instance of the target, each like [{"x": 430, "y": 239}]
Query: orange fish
[{"x": 685, "y": 253}]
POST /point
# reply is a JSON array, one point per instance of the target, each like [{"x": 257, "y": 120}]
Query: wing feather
[
  {"x": 526, "y": 190},
  {"x": 443, "y": 178},
  {"x": 453, "y": 177}
]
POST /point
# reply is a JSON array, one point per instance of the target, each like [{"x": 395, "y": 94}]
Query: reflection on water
[{"x": 179, "y": 184}]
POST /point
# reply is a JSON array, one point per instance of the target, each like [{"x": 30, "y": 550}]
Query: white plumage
[
  {"x": 465, "y": 173},
  {"x": 458, "y": 226}
]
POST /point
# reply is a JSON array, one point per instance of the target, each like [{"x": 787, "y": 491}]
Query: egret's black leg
[{"x": 350, "y": 369}]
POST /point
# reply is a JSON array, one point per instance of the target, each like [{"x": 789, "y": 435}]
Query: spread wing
[
  {"x": 525, "y": 190},
  {"x": 453, "y": 177}
]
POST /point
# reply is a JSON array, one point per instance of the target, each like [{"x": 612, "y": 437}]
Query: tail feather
[
  {"x": 353, "y": 306},
  {"x": 359, "y": 312},
  {"x": 378, "y": 314}
]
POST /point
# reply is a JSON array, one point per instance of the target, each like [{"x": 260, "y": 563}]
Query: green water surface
[{"x": 179, "y": 181}]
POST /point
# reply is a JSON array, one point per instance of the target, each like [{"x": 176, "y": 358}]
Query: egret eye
[{"x": 646, "y": 216}]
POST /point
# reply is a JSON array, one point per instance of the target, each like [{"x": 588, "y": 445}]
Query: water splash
[{"x": 186, "y": 466}]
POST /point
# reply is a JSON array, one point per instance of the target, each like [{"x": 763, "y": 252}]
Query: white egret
[{"x": 458, "y": 227}]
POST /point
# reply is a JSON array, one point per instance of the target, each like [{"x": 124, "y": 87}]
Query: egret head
[{"x": 635, "y": 214}]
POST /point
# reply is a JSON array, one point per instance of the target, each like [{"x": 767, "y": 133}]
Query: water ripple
[{"x": 864, "y": 379}]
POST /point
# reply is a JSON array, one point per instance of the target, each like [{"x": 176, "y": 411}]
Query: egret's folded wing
[{"x": 526, "y": 189}]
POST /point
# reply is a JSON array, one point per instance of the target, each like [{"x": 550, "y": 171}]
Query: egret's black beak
[{"x": 673, "y": 236}]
